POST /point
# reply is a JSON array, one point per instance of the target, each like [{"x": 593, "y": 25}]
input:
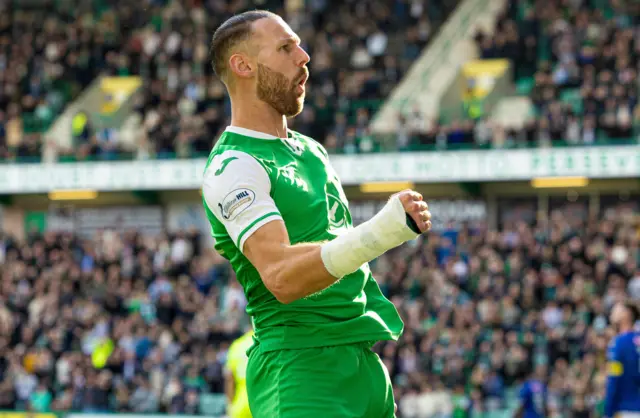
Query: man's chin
[{"x": 297, "y": 111}]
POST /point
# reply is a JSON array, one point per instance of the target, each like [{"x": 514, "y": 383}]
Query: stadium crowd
[
  {"x": 132, "y": 323},
  {"x": 360, "y": 51},
  {"x": 582, "y": 59},
  {"x": 579, "y": 59},
  {"x": 50, "y": 50}
]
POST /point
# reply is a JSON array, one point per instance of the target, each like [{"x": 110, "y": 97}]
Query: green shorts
[{"x": 347, "y": 381}]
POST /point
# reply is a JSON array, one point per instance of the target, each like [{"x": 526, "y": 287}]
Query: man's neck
[
  {"x": 258, "y": 116},
  {"x": 626, "y": 328}
]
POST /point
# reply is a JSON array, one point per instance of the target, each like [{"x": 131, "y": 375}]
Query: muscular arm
[
  {"x": 290, "y": 272},
  {"x": 236, "y": 190},
  {"x": 229, "y": 386}
]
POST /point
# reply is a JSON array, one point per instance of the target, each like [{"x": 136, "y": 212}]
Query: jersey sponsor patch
[
  {"x": 236, "y": 202},
  {"x": 615, "y": 368}
]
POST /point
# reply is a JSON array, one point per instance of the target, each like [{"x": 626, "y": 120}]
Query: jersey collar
[{"x": 250, "y": 132}]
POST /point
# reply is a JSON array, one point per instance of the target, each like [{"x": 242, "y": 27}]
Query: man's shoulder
[
  {"x": 628, "y": 339},
  {"x": 229, "y": 160},
  {"x": 624, "y": 338},
  {"x": 310, "y": 142},
  {"x": 304, "y": 137},
  {"x": 622, "y": 343},
  {"x": 231, "y": 141}
]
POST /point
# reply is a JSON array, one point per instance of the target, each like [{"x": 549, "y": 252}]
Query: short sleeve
[
  {"x": 615, "y": 365},
  {"x": 612, "y": 350},
  {"x": 236, "y": 189}
]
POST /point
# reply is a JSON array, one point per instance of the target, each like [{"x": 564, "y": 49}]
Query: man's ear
[{"x": 241, "y": 65}]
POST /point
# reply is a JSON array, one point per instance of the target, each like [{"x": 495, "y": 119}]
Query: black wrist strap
[{"x": 413, "y": 225}]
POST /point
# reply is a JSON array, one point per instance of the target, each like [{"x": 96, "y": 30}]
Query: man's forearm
[
  {"x": 229, "y": 387},
  {"x": 305, "y": 269},
  {"x": 300, "y": 273},
  {"x": 292, "y": 272}
]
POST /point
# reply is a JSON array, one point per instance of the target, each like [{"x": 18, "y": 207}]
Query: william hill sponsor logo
[{"x": 236, "y": 202}]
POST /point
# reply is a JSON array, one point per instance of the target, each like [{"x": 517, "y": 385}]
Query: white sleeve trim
[{"x": 253, "y": 228}]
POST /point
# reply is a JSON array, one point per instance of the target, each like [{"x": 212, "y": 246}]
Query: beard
[{"x": 279, "y": 92}]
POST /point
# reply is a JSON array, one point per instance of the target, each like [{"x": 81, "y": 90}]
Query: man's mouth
[
  {"x": 300, "y": 87},
  {"x": 303, "y": 80}
]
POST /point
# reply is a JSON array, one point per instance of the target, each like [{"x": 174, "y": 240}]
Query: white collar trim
[{"x": 249, "y": 132}]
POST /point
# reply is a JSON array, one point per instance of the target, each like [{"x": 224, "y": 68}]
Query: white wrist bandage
[{"x": 386, "y": 230}]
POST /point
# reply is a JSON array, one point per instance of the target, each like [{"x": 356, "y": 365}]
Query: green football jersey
[{"x": 252, "y": 178}]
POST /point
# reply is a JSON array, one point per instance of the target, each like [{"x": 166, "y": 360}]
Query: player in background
[
  {"x": 279, "y": 214},
  {"x": 533, "y": 396},
  {"x": 235, "y": 377},
  {"x": 622, "y": 399}
]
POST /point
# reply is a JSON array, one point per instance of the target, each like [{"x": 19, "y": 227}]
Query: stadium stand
[
  {"x": 578, "y": 63},
  {"x": 481, "y": 307},
  {"x": 49, "y": 52},
  {"x": 575, "y": 62},
  {"x": 357, "y": 59}
]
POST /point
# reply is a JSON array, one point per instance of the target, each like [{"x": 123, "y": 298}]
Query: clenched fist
[{"x": 416, "y": 208}]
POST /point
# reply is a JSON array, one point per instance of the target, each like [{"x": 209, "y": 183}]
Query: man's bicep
[
  {"x": 265, "y": 247},
  {"x": 237, "y": 189}
]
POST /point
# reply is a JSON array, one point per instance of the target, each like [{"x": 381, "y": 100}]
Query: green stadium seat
[
  {"x": 525, "y": 85},
  {"x": 31, "y": 123},
  {"x": 573, "y": 98}
]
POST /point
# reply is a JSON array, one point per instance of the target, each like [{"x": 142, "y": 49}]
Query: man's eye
[{"x": 286, "y": 48}]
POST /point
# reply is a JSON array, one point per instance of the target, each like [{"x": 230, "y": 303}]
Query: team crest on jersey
[
  {"x": 336, "y": 209},
  {"x": 236, "y": 202}
]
